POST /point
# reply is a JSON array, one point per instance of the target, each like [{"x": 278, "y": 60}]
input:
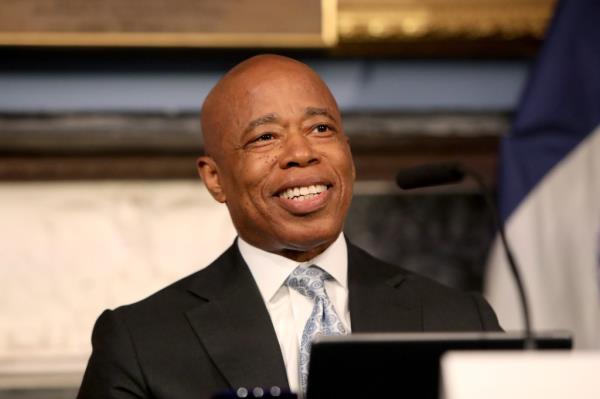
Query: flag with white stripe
[{"x": 549, "y": 184}]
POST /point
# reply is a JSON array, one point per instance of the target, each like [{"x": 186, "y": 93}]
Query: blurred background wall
[{"x": 99, "y": 130}]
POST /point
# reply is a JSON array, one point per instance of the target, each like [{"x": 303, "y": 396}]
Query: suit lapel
[
  {"x": 381, "y": 298},
  {"x": 234, "y": 326}
]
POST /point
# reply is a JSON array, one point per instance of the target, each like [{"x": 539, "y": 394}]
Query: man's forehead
[
  {"x": 271, "y": 78},
  {"x": 248, "y": 90},
  {"x": 262, "y": 76},
  {"x": 296, "y": 89}
]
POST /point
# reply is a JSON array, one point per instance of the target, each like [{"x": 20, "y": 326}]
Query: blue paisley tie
[{"x": 309, "y": 281}]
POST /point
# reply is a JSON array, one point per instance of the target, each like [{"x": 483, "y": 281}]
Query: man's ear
[{"x": 207, "y": 170}]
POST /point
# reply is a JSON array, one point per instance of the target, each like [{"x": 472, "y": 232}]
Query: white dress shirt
[{"x": 290, "y": 310}]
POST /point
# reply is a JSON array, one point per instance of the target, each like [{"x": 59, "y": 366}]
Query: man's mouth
[{"x": 303, "y": 193}]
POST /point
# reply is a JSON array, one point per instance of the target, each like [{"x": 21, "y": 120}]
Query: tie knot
[{"x": 309, "y": 281}]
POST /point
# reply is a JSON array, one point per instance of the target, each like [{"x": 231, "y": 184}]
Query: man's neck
[
  {"x": 296, "y": 254},
  {"x": 304, "y": 256}
]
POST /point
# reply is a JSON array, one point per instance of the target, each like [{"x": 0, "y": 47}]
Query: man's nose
[{"x": 298, "y": 151}]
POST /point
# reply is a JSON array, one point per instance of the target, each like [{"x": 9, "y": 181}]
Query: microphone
[
  {"x": 453, "y": 172},
  {"x": 429, "y": 175}
]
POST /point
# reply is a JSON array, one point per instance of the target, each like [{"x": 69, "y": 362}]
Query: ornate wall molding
[
  {"x": 337, "y": 25},
  {"x": 409, "y": 20},
  {"x": 154, "y": 146}
]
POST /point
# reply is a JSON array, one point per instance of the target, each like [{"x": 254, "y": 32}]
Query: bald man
[{"x": 276, "y": 155}]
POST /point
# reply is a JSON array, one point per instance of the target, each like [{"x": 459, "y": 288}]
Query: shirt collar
[{"x": 271, "y": 270}]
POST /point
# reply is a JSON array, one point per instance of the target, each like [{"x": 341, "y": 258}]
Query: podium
[
  {"x": 389, "y": 365},
  {"x": 520, "y": 374}
]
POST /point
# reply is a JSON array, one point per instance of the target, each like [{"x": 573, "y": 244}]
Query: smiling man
[{"x": 277, "y": 156}]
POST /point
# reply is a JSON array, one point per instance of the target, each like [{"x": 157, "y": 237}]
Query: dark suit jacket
[{"x": 211, "y": 331}]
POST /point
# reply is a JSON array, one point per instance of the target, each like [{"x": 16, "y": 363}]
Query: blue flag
[{"x": 549, "y": 183}]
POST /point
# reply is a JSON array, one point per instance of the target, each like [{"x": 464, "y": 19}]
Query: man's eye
[
  {"x": 264, "y": 137},
  {"x": 262, "y": 140},
  {"x": 322, "y": 128}
]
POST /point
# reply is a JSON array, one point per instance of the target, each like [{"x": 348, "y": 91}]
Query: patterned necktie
[{"x": 309, "y": 281}]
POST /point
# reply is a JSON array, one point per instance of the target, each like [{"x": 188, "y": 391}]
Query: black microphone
[
  {"x": 453, "y": 172},
  {"x": 429, "y": 175}
]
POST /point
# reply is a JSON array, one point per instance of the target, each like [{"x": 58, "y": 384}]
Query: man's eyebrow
[
  {"x": 262, "y": 120},
  {"x": 313, "y": 111}
]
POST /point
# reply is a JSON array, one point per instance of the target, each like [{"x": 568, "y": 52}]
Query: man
[{"x": 277, "y": 156}]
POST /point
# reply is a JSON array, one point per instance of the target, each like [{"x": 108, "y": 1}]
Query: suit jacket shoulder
[
  {"x": 405, "y": 301},
  {"x": 202, "y": 334},
  {"x": 211, "y": 331}
]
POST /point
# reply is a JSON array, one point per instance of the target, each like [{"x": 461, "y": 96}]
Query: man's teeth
[{"x": 303, "y": 193}]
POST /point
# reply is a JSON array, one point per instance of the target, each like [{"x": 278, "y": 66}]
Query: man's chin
[{"x": 313, "y": 241}]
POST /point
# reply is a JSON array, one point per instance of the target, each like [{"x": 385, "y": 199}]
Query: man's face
[{"x": 284, "y": 167}]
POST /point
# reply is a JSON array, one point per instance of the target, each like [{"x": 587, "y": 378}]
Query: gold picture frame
[
  {"x": 366, "y": 21},
  {"x": 345, "y": 27}
]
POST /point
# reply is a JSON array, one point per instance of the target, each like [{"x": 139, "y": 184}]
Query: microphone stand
[
  {"x": 529, "y": 338},
  {"x": 453, "y": 172}
]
